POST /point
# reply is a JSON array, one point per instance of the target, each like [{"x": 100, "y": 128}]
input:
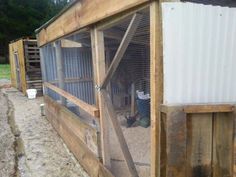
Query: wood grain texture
[
  {"x": 176, "y": 140},
  {"x": 82, "y": 14},
  {"x": 78, "y": 137},
  {"x": 97, "y": 38},
  {"x": 208, "y": 108},
  {"x": 199, "y": 145},
  {"x": 223, "y": 139},
  {"x": 12, "y": 66},
  {"x": 92, "y": 110},
  {"x": 156, "y": 59},
  {"x": 18, "y": 48}
]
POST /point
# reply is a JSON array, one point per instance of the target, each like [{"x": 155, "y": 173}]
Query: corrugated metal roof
[{"x": 199, "y": 44}]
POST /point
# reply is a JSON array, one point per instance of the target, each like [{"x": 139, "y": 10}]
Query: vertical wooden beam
[
  {"x": 223, "y": 138},
  {"x": 132, "y": 110},
  {"x": 97, "y": 38},
  {"x": 176, "y": 141},
  {"x": 43, "y": 69},
  {"x": 60, "y": 69},
  {"x": 92, "y": 33},
  {"x": 21, "y": 59},
  {"x": 156, "y": 74},
  {"x": 199, "y": 149}
]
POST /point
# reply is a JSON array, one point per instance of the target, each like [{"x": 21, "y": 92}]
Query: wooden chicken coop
[
  {"x": 25, "y": 65},
  {"x": 143, "y": 87}
]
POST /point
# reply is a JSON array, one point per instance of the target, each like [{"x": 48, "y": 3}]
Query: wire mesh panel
[
  {"x": 78, "y": 73},
  {"x": 133, "y": 73},
  {"x": 127, "y": 43},
  {"x": 49, "y": 56}
]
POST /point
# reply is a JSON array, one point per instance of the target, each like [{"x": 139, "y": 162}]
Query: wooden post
[
  {"x": 60, "y": 70},
  {"x": 156, "y": 84},
  {"x": 97, "y": 38},
  {"x": 43, "y": 70},
  {"x": 132, "y": 99}
]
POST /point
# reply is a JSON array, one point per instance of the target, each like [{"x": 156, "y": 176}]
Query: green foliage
[
  {"x": 5, "y": 72},
  {"x": 20, "y": 18}
]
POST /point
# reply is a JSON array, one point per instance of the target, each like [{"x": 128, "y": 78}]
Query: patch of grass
[{"x": 5, "y": 71}]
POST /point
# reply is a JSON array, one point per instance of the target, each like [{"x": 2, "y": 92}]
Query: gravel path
[{"x": 40, "y": 151}]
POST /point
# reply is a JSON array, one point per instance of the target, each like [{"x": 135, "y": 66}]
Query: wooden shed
[
  {"x": 167, "y": 64},
  {"x": 25, "y": 65}
]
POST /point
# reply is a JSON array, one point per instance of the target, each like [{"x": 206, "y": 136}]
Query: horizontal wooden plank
[
  {"x": 34, "y": 81},
  {"x": 82, "y": 14},
  {"x": 87, "y": 134},
  {"x": 208, "y": 108},
  {"x": 200, "y": 108},
  {"x": 92, "y": 110},
  {"x": 75, "y": 134},
  {"x": 71, "y": 80}
]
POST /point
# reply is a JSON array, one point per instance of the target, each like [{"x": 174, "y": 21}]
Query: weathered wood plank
[
  {"x": 199, "y": 146},
  {"x": 97, "y": 38},
  {"x": 74, "y": 133},
  {"x": 163, "y": 145},
  {"x": 176, "y": 140},
  {"x": 82, "y": 14},
  {"x": 156, "y": 60},
  {"x": 92, "y": 110},
  {"x": 223, "y": 144},
  {"x": 208, "y": 108}
]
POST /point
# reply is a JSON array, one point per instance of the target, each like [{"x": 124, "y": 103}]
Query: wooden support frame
[
  {"x": 122, "y": 48},
  {"x": 25, "y": 65},
  {"x": 156, "y": 57},
  {"x": 197, "y": 143},
  {"x": 105, "y": 102},
  {"x": 79, "y": 137},
  {"x": 97, "y": 39},
  {"x": 60, "y": 70},
  {"x": 92, "y": 110}
]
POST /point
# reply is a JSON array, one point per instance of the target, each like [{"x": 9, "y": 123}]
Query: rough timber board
[
  {"x": 176, "y": 138},
  {"x": 19, "y": 48},
  {"x": 12, "y": 65},
  {"x": 207, "y": 143},
  {"x": 223, "y": 145},
  {"x": 82, "y": 14},
  {"x": 72, "y": 137},
  {"x": 87, "y": 134},
  {"x": 199, "y": 147}
]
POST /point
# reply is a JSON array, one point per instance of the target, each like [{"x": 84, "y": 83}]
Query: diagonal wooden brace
[
  {"x": 111, "y": 114},
  {"x": 122, "y": 48}
]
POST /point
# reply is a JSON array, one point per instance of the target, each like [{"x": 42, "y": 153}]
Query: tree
[{"x": 21, "y": 18}]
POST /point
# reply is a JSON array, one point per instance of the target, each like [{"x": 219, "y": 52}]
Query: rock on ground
[
  {"x": 40, "y": 151},
  {"x": 7, "y": 153}
]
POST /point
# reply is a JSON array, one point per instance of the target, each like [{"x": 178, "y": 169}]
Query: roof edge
[{"x": 54, "y": 18}]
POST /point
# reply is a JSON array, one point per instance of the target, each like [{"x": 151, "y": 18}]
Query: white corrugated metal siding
[{"x": 199, "y": 43}]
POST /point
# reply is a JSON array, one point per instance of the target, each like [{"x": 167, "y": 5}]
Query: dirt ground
[
  {"x": 7, "y": 152},
  {"x": 138, "y": 140},
  {"x": 29, "y": 146}
]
